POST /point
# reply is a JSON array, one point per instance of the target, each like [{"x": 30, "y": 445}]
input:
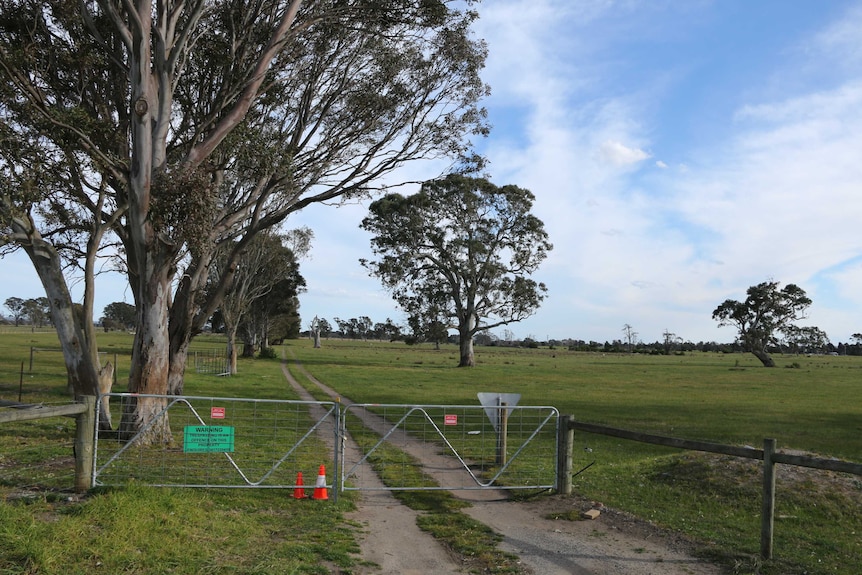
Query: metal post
[
  {"x": 502, "y": 433},
  {"x": 85, "y": 436},
  {"x": 767, "y": 514},
  {"x": 337, "y": 483},
  {"x": 565, "y": 446}
]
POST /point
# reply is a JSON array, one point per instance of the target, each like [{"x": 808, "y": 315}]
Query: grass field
[{"x": 811, "y": 404}]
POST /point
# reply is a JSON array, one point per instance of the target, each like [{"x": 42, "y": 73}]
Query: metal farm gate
[
  {"x": 460, "y": 447},
  {"x": 218, "y": 442},
  {"x": 248, "y": 443}
]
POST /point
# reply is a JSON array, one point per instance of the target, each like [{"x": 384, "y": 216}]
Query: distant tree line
[
  {"x": 364, "y": 328},
  {"x": 120, "y": 315},
  {"x": 35, "y": 312}
]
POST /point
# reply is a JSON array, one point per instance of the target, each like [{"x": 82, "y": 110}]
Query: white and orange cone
[
  {"x": 299, "y": 492},
  {"x": 320, "y": 486}
]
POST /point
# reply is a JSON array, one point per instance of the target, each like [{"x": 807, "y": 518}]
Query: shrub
[{"x": 267, "y": 353}]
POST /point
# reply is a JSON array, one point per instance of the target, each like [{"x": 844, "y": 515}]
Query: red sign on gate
[
  {"x": 217, "y": 412},
  {"x": 450, "y": 420}
]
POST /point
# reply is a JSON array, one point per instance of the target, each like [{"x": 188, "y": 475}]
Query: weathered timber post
[
  {"x": 85, "y": 436},
  {"x": 502, "y": 433},
  {"x": 565, "y": 447},
  {"x": 767, "y": 513}
]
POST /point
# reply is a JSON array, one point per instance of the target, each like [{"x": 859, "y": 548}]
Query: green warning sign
[{"x": 208, "y": 439}]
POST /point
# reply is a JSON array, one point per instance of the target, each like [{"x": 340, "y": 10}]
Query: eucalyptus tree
[
  {"x": 808, "y": 339},
  {"x": 175, "y": 128},
  {"x": 461, "y": 249},
  {"x": 631, "y": 336},
  {"x": 766, "y": 313},
  {"x": 266, "y": 263},
  {"x": 16, "y": 306},
  {"x": 119, "y": 314}
]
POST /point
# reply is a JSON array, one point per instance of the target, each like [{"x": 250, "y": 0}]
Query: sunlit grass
[{"x": 813, "y": 406}]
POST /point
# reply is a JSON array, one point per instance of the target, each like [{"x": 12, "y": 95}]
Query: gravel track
[{"x": 612, "y": 544}]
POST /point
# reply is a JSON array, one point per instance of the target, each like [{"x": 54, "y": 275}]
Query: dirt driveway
[{"x": 612, "y": 544}]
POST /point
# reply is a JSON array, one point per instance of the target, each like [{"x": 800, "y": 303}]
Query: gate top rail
[
  {"x": 450, "y": 406},
  {"x": 216, "y": 398}
]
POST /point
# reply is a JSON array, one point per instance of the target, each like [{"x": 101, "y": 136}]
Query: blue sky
[{"x": 680, "y": 152}]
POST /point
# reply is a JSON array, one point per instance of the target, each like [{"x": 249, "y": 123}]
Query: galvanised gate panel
[
  {"x": 458, "y": 446},
  {"x": 220, "y": 442}
]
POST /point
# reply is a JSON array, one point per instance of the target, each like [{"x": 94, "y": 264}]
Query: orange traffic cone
[
  {"x": 320, "y": 487},
  {"x": 299, "y": 492}
]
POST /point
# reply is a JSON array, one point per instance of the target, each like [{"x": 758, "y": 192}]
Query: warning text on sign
[{"x": 208, "y": 439}]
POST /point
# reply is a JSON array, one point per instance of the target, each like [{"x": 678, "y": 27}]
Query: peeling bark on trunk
[
  {"x": 466, "y": 328},
  {"x": 150, "y": 363},
  {"x": 80, "y": 367},
  {"x": 177, "y": 370},
  {"x": 231, "y": 350},
  {"x": 106, "y": 381},
  {"x": 465, "y": 336},
  {"x": 467, "y": 357}
]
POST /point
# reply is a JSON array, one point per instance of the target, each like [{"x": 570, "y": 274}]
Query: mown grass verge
[
  {"x": 135, "y": 529},
  {"x": 138, "y": 529}
]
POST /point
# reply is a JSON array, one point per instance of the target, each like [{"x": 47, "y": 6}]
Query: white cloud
[
  {"x": 618, "y": 154},
  {"x": 661, "y": 165}
]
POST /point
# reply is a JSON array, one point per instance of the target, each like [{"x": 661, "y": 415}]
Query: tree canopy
[
  {"x": 119, "y": 315},
  {"x": 461, "y": 250},
  {"x": 157, "y": 133},
  {"x": 766, "y": 314},
  {"x": 268, "y": 274}
]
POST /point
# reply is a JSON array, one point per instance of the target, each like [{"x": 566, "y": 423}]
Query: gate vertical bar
[
  {"x": 338, "y": 447},
  {"x": 502, "y": 434}
]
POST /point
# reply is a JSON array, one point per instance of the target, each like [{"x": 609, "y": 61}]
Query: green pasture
[
  {"x": 810, "y": 404},
  {"x": 816, "y": 406}
]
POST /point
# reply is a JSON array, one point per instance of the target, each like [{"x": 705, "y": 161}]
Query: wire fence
[
  {"x": 38, "y": 455},
  {"x": 212, "y": 362}
]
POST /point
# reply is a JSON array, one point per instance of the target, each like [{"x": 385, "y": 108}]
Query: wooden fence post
[
  {"x": 767, "y": 514},
  {"x": 565, "y": 446},
  {"x": 85, "y": 436}
]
